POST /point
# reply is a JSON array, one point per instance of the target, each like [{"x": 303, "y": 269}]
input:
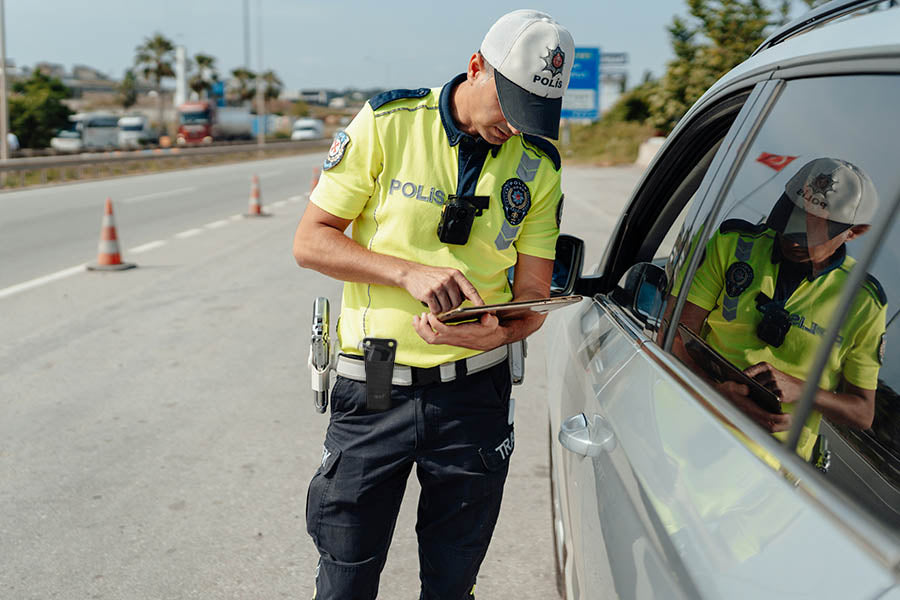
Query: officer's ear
[
  {"x": 856, "y": 231},
  {"x": 478, "y": 67}
]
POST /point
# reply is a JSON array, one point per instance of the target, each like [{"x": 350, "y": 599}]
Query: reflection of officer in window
[{"x": 765, "y": 294}]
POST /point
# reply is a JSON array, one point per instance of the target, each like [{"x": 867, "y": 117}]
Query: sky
[{"x": 317, "y": 43}]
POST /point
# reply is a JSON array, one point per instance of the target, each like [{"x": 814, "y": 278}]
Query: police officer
[
  {"x": 446, "y": 188},
  {"x": 767, "y": 293}
]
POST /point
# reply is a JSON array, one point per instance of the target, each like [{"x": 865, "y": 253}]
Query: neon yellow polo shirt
[
  {"x": 401, "y": 158},
  {"x": 732, "y": 321}
]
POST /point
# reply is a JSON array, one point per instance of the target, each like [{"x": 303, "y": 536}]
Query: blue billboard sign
[{"x": 582, "y": 99}]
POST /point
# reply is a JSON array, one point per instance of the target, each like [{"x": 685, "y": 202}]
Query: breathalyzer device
[{"x": 320, "y": 354}]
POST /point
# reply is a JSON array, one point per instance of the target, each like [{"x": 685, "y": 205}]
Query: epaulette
[
  {"x": 741, "y": 226},
  {"x": 874, "y": 288},
  {"x": 546, "y": 147},
  {"x": 383, "y": 98}
]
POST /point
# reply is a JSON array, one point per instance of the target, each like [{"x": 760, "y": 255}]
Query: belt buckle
[{"x": 426, "y": 375}]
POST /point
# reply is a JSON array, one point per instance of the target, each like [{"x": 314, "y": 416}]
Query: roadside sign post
[{"x": 582, "y": 99}]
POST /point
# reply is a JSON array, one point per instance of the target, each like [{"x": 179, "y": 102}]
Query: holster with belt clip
[{"x": 378, "y": 355}]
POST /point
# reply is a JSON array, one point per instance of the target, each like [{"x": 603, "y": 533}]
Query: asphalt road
[{"x": 157, "y": 434}]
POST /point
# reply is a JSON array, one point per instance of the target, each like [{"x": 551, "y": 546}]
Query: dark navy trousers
[{"x": 459, "y": 435}]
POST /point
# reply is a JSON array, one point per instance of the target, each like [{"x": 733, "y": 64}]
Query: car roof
[{"x": 869, "y": 34}]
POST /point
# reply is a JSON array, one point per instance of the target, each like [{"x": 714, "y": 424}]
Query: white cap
[
  {"x": 532, "y": 58},
  {"x": 834, "y": 189},
  {"x": 829, "y": 188}
]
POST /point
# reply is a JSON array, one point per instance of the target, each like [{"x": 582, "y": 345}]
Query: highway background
[{"x": 157, "y": 433}]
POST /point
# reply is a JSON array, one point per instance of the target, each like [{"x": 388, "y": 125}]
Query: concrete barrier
[{"x": 648, "y": 150}]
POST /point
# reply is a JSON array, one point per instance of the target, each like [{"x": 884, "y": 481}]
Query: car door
[
  {"x": 676, "y": 491},
  {"x": 599, "y": 506}
]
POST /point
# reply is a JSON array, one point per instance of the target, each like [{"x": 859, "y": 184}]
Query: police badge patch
[
  {"x": 881, "y": 350},
  {"x": 516, "y": 200},
  {"x": 336, "y": 152},
  {"x": 738, "y": 278}
]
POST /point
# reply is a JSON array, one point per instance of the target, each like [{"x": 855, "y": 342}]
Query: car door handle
[{"x": 587, "y": 437}]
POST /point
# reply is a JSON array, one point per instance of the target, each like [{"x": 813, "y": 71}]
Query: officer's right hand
[
  {"x": 440, "y": 288},
  {"x": 738, "y": 393}
]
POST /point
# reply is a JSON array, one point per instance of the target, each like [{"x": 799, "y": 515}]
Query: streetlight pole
[
  {"x": 247, "y": 34},
  {"x": 4, "y": 113},
  {"x": 260, "y": 96}
]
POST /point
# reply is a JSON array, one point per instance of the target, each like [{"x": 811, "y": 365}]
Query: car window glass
[
  {"x": 866, "y": 463},
  {"x": 820, "y": 171}
]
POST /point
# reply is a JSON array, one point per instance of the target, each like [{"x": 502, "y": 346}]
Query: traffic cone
[
  {"x": 255, "y": 208},
  {"x": 108, "y": 257},
  {"x": 315, "y": 180}
]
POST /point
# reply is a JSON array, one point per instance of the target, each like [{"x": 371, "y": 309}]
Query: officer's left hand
[
  {"x": 786, "y": 387},
  {"x": 486, "y": 334}
]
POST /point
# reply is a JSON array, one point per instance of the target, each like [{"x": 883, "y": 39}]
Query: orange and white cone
[
  {"x": 315, "y": 180},
  {"x": 255, "y": 207},
  {"x": 108, "y": 257}
]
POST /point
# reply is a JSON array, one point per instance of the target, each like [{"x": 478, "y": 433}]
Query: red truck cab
[{"x": 195, "y": 122}]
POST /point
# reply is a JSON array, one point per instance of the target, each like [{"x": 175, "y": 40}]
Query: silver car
[{"x": 666, "y": 480}]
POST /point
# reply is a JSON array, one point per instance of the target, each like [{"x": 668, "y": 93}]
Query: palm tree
[
  {"x": 273, "y": 85},
  {"x": 153, "y": 59},
  {"x": 206, "y": 74},
  {"x": 242, "y": 83}
]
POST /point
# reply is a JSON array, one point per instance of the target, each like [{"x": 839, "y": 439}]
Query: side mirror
[
  {"x": 644, "y": 291},
  {"x": 567, "y": 265}
]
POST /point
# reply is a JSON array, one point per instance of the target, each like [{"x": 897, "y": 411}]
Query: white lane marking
[
  {"x": 271, "y": 173},
  {"x": 235, "y": 217},
  {"x": 27, "y": 285},
  {"x": 296, "y": 198},
  {"x": 157, "y": 195},
  {"x": 147, "y": 246},
  {"x": 278, "y": 204},
  {"x": 188, "y": 233},
  {"x": 217, "y": 224}
]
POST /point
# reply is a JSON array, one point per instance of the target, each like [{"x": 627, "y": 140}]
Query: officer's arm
[
  {"x": 854, "y": 406},
  {"x": 320, "y": 244},
  {"x": 692, "y": 317},
  {"x": 531, "y": 282}
]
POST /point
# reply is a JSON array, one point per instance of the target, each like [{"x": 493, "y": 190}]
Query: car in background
[
  {"x": 307, "y": 129},
  {"x": 99, "y": 130},
  {"x": 660, "y": 486},
  {"x": 67, "y": 140},
  {"x": 134, "y": 131}
]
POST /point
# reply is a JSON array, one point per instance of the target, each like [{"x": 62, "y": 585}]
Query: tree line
[
  {"x": 715, "y": 37},
  {"x": 37, "y": 110}
]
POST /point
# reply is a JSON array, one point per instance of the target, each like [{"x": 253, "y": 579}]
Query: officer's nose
[{"x": 512, "y": 129}]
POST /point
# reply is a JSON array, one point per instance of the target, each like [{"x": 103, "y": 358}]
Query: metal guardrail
[{"x": 15, "y": 172}]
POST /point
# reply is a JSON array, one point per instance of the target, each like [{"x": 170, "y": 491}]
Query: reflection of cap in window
[{"x": 830, "y": 188}]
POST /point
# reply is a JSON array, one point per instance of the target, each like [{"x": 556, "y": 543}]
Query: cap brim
[
  {"x": 527, "y": 112},
  {"x": 789, "y": 219}
]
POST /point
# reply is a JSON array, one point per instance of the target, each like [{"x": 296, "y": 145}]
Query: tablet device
[
  {"x": 717, "y": 367},
  {"x": 540, "y": 305}
]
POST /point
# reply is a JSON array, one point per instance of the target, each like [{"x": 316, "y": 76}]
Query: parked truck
[{"x": 203, "y": 122}]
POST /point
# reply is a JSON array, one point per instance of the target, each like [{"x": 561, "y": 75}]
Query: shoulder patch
[
  {"x": 874, "y": 287},
  {"x": 741, "y": 226},
  {"x": 383, "y": 98},
  {"x": 545, "y": 147}
]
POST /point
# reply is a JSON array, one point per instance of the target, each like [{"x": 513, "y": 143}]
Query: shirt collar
[
  {"x": 836, "y": 260},
  {"x": 454, "y": 134}
]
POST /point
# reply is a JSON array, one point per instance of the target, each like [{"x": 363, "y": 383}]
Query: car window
[
  {"x": 668, "y": 200},
  {"x": 866, "y": 463},
  {"x": 820, "y": 171}
]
